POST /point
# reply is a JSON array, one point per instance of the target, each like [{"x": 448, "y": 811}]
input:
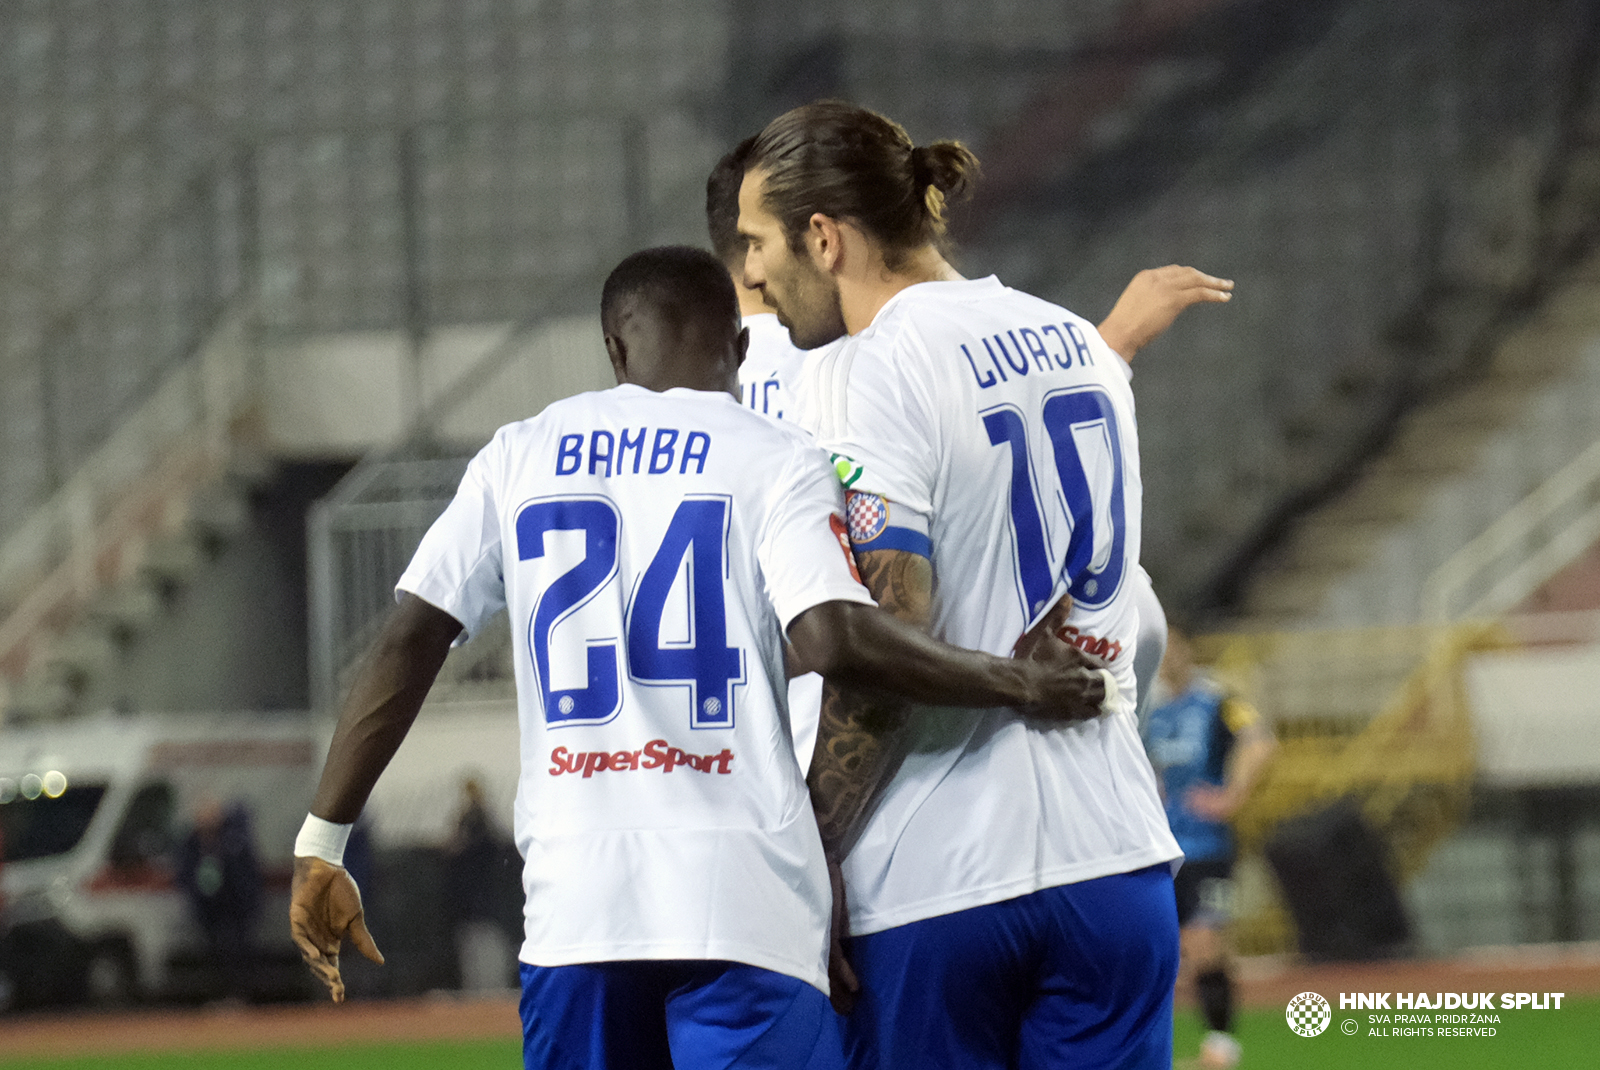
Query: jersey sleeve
[
  {"x": 880, "y": 430},
  {"x": 457, "y": 567},
  {"x": 804, "y": 550}
]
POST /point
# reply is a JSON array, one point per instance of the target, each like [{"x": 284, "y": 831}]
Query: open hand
[
  {"x": 324, "y": 908},
  {"x": 1153, "y": 300}
]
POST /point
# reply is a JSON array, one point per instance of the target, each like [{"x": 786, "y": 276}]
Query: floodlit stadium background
[{"x": 269, "y": 273}]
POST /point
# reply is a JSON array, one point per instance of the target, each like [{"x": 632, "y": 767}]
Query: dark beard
[{"x": 821, "y": 319}]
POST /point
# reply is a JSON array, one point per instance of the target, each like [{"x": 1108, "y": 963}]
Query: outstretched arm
[
  {"x": 1153, "y": 301},
  {"x": 324, "y": 903}
]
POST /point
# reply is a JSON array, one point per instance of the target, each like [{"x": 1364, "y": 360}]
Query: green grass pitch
[{"x": 1550, "y": 1040}]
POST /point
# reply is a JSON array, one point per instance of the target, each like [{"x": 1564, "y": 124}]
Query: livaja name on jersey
[
  {"x": 1075, "y": 352},
  {"x": 657, "y": 754}
]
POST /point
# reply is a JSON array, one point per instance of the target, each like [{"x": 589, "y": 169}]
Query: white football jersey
[
  {"x": 1005, "y": 425},
  {"x": 651, "y": 548},
  {"x": 770, "y": 378},
  {"x": 771, "y": 368}
]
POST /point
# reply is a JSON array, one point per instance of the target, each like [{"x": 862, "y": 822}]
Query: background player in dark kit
[{"x": 1210, "y": 748}]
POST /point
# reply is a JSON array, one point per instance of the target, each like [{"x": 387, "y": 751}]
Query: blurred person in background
[
  {"x": 7, "y": 986},
  {"x": 220, "y": 873},
  {"x": 475, "y": 855},
  {"x": 1209, "y": 748}
]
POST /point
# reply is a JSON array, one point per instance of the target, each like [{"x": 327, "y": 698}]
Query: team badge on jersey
[
  {"x": 846, "y": 467},
  {"x": 868, "y": 515}
]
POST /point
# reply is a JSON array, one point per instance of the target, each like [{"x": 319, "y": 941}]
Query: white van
[{"x": 92, "y": 812}]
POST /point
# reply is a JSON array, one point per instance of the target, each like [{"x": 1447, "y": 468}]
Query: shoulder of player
[
  {"x": 899, "y": 334},
  {"x": 921, "y": 314}
]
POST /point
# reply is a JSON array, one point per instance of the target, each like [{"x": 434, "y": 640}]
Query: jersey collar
[{"x": 949, "y": 289}]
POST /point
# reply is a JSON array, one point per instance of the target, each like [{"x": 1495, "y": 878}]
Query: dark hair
[
  {"x": 722, "y": 205},
  {"x": 850, "y": 163},
  {"x": 677, "y": 281}
]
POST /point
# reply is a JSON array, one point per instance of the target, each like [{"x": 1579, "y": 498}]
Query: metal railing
[
  {"x": 362, "y": 535},
  {"x": 1526, "y": 547},
  {"x": 1378, "y": 715},
  {"x": 360, "y": 538}
]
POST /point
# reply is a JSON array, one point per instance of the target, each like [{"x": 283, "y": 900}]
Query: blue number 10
[
  {"x": 706, "y": 664},
  {"x": 1062, "y": 414}
]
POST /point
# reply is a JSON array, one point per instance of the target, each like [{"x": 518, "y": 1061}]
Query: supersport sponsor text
[{"x": 656, "y": 754}]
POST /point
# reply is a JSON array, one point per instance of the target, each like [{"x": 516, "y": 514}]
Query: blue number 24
[
  {"x": 1063, "y": 413},
  {"x": 706, "y": 664}
]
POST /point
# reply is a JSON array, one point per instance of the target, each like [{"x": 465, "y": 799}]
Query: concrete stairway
[
  {"x": 1454, "y": 467},
  {"x": 140, "y": 569},
  {"x": 95, "y": 565}
]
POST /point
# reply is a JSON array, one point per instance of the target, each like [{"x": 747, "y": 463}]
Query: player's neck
[{"x": 863, "y": 296}]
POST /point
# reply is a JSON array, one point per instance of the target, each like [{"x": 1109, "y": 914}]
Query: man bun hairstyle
[
  {"x": 853, "y": 164},
  {"x": 946, "y": 171},
  {"x": 722, "y": 205},
  {"x": 676, "y": 282}
]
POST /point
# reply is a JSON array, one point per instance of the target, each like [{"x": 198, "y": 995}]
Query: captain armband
[{"x": 876, "y": 523}]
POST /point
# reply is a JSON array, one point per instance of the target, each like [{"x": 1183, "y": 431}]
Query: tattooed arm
[
  {"x": 858, "y": 739},
  {"x": 875, "y": 657}
]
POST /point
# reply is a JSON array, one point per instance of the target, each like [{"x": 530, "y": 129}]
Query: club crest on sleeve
[
  {"x": 867, "y": 514},
  {"x": 846, "y": 469}
]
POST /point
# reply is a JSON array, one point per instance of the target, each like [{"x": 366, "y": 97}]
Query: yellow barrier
[{"x": 1379, "y": 715}]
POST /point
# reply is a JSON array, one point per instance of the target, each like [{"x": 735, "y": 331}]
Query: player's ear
[
  {"x": 742, "y": 346},
  {"x": 824, "y": 241},
  {"x": 617, "y": 350}
]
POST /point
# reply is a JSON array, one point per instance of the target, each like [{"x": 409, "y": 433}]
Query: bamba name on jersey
[
  {"x": 657, "y": 754},
  {"x": 608, "y": 453},
  {"x": 1074, "y": 347}
]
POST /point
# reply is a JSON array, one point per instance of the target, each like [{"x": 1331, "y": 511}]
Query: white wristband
[
  {"x": 1113, "y": 693},
  {"x": 322, "y": 839}
]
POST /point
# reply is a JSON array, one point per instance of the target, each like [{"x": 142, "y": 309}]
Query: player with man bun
[
  {"x": 771, "y": 376},
  {"x": 1010, "y": 885}
]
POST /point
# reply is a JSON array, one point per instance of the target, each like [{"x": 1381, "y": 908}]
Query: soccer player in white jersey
[
  {"x": 768, "y": 378},
  {"x": 771, "y": 377},
  {"x": 770, "y": 373},
  {"x": 653, "y": 544},
  {"x": 1010, "y": 886}
]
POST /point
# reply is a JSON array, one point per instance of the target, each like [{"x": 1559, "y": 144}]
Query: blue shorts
[
  {"x": 1078, "y": 976},
  {"x": 677, "y": 1014}
]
